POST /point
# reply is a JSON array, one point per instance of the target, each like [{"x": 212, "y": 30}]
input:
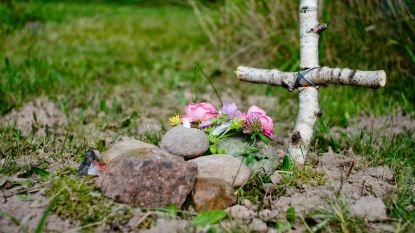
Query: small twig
[
  {"x": 237, "y": 172},
  {"x": 144, "y": 218},
  {"x": 349, "y": 172}
]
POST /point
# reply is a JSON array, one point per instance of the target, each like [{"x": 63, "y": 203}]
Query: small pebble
[
  {"x": 276, "y": 177},
  {"x": 257, "y": 225},
  {"x": 241, "y": 212}
]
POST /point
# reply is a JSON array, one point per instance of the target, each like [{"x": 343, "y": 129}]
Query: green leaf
[
  {"x": 39, "y": 171},
  {"x": 211, "y": 230},
  {"x": 263, "y": 138},
  {"x": 250, "y": 158},
  {"x": 213, "y": 139},
  {"x": 290, "y": 215},
  {"x": 221, "y": 151},
  {"x": 171, "y": 209},
  {"x": 208, "y": 217},
  {"x": 281, "y": 226},
  {"x": 213, "y": 149},
  {"x": 286, "y": 164},
  {"x": 46, "y": 211},
  {"x": 102, "y": 105}
]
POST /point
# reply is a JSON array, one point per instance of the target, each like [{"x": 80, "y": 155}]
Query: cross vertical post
[{"x": 306, "y": 81}]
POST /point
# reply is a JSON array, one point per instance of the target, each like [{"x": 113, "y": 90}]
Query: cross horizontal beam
[{"x": 318, "y": 76}]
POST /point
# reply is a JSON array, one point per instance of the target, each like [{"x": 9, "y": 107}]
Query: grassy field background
[{"x": 119, "y": 65}]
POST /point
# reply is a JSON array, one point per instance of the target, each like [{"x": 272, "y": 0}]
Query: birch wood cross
[{"x": 307, "y": 80}]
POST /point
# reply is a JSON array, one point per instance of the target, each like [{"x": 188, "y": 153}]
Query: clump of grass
[
  {"x": 252, "y": 189},
  {"x": 151, "y": 136},
  {"x": 79, "y": 200},
  {"x": 333, "y": 218},
  {"x": 306, "y": 174}
]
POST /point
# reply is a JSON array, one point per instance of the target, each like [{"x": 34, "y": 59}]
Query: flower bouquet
[{"x": 254, "y": 124}]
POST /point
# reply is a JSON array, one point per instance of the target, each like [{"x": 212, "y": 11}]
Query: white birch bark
[
  {"x": 320, "y": 76},
  {"x": 308, "y": 109}
]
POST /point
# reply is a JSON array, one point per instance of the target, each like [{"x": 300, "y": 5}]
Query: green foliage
[
  {"x": 209, "y": 217},
  {"x": 335, "y": 218},
  {"x": 290, "y": 215},
  {"x": 78, "y": 200},
  {"x": 286, "y": 163}
]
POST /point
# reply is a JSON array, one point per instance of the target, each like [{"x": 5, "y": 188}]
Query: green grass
[{"x": 111, "y": 66}]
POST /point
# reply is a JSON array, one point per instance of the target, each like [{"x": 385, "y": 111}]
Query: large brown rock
[
  {"x": 148, "y": 178},
  {"x": 211, "y": 194}
]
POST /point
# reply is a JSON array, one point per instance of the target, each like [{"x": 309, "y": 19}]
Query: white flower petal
[
  {"x": 186, "y": 123},
  {"x": 221, "y": 128}
]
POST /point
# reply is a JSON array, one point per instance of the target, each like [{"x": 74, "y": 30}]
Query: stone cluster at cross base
[
  {"x": 145, "y": 175},
  {"x": 148, "y": 176}
]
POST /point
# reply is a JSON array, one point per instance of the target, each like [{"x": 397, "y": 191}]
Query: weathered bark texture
[{"x": 321, "y": 76}]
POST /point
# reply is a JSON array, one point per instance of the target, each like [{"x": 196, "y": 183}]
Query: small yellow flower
[{"x": 174, "y": 120}]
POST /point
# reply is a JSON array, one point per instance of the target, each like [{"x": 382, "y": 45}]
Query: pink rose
[
  {"x": 255, "y": 112},
  {"x": 267, "y": 126},
  {"x": 200, "y": 112}
]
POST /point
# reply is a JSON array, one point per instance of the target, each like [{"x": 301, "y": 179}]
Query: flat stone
[
  {"x": 370, "y": 208},
  {"x": 148, "y": 178},
  {"x": 212, "y": 194},
  {"x": 237, "y": 146},
  {"x": 224, "y": 167},
  {"x": 186, "y": 142},
  {"x": 126, "y": 147}
]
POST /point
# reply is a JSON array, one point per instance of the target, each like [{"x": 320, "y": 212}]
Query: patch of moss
[
  {"x": 306, "y": 174},
  {"x": 80, "y": 201}
]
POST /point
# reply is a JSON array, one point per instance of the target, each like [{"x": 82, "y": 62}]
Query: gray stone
[
  {"x": 370, "y": 208},
  {"x": 233, "y": 145},
  {"x": 257, "y": 225},
  {"x": 264, "y": 166},
  {"x": 148, "y": 178},
  {"x": 267, "y": 214},
  {"x": 167, "y": 226},
  {"x": 125, "y": 147},
  {"x": 237, "y": 146},
  {"x": 241, "y": 212},
  {"x": 212, "y": 194},
  {"x": 224, "y": 167},
  {"x": 186, "y": 142},
  {"x": 276, "y": 177}
]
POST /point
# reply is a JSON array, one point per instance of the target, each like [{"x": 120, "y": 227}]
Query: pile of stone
[{"x": 145, "y": 175}]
